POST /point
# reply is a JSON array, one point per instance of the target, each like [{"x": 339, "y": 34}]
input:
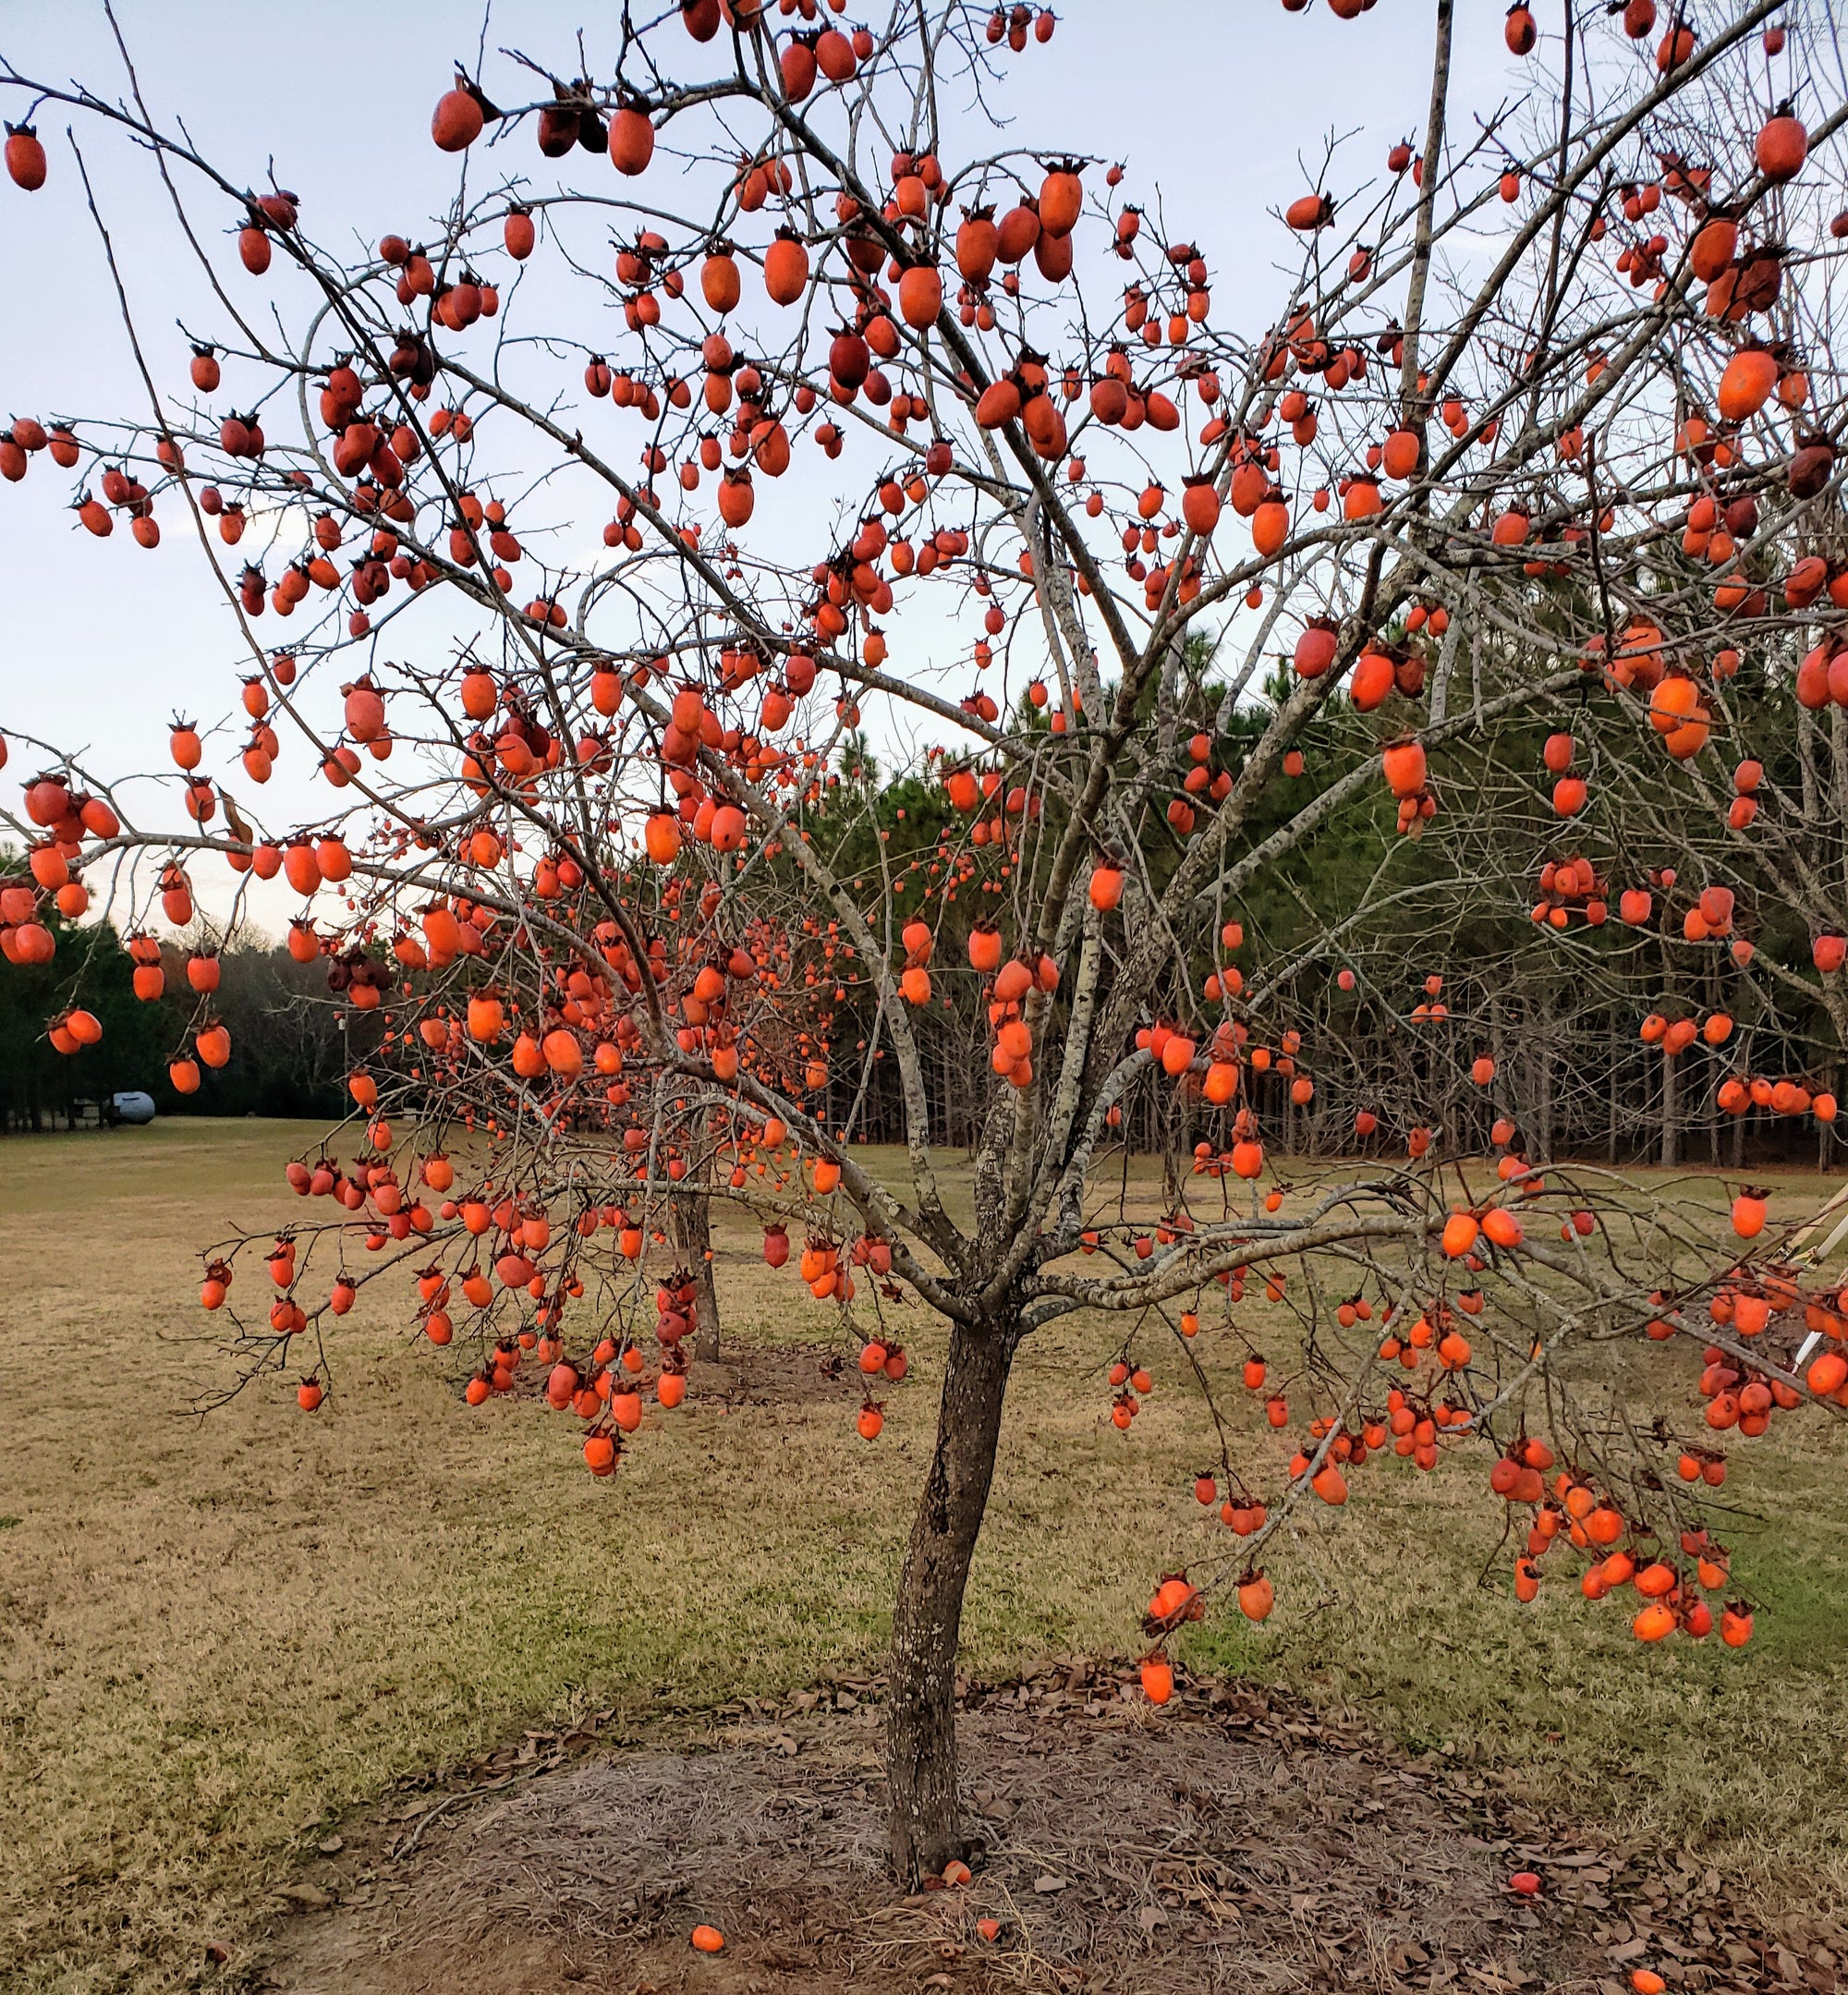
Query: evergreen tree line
[
  {"x": 1340, "y": 937},
  {"x": 286, "y": 1056}
]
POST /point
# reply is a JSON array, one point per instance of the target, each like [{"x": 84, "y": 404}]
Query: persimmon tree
[{"x": 792, "y": 597}]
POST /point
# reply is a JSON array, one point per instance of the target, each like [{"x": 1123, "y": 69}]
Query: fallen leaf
[{"x": 310, "y": 1897}]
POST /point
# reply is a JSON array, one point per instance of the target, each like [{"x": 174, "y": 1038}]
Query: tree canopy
[{"x": 740, "y": 574}]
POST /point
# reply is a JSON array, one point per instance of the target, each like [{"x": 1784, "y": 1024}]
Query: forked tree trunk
[
  {"x": 691, "y": 1218},
  {"x": 926, "y": 1823}
]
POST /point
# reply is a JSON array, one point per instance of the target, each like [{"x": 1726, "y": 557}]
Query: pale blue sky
[{"x": 1213, "y": 102}]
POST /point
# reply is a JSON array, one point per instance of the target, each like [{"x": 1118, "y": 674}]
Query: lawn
[{"x": 216, "y": 1634}]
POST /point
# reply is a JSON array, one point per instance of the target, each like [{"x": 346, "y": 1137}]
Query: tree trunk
[
  {"x": 1613, "y": 1052},
  {"x": 1170, "y": 1159},
  {"x": 1670, "y": 1149},
  {"x": 926, "y": 1822},
  {"x": 1671, "y": 1129},
  {"x": 691, "y": 1218},
  {"x": 1543, "y": 1088}
]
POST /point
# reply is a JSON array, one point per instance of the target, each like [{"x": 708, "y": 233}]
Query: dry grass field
[{"x": 218, "y": 1635}]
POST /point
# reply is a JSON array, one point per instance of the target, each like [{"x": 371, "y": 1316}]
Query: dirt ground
[{"x": 1233, "y": 1842}]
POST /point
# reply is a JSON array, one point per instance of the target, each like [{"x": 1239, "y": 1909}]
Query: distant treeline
[
  {"x": 1558, "y": 1014},
  {"x": 287, "y": 1057}
]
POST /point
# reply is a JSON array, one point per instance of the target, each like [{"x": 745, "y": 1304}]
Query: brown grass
[{"x": 217, "y": 1636}]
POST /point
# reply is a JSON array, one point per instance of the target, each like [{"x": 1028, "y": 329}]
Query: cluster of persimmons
[{"x": 616, "y": 916}]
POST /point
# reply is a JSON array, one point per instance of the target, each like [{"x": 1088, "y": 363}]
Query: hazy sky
[{"x": 1217, "y": 105}]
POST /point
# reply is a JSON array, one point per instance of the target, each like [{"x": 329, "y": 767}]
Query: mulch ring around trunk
[{"x": 1235, "y": 1840}]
